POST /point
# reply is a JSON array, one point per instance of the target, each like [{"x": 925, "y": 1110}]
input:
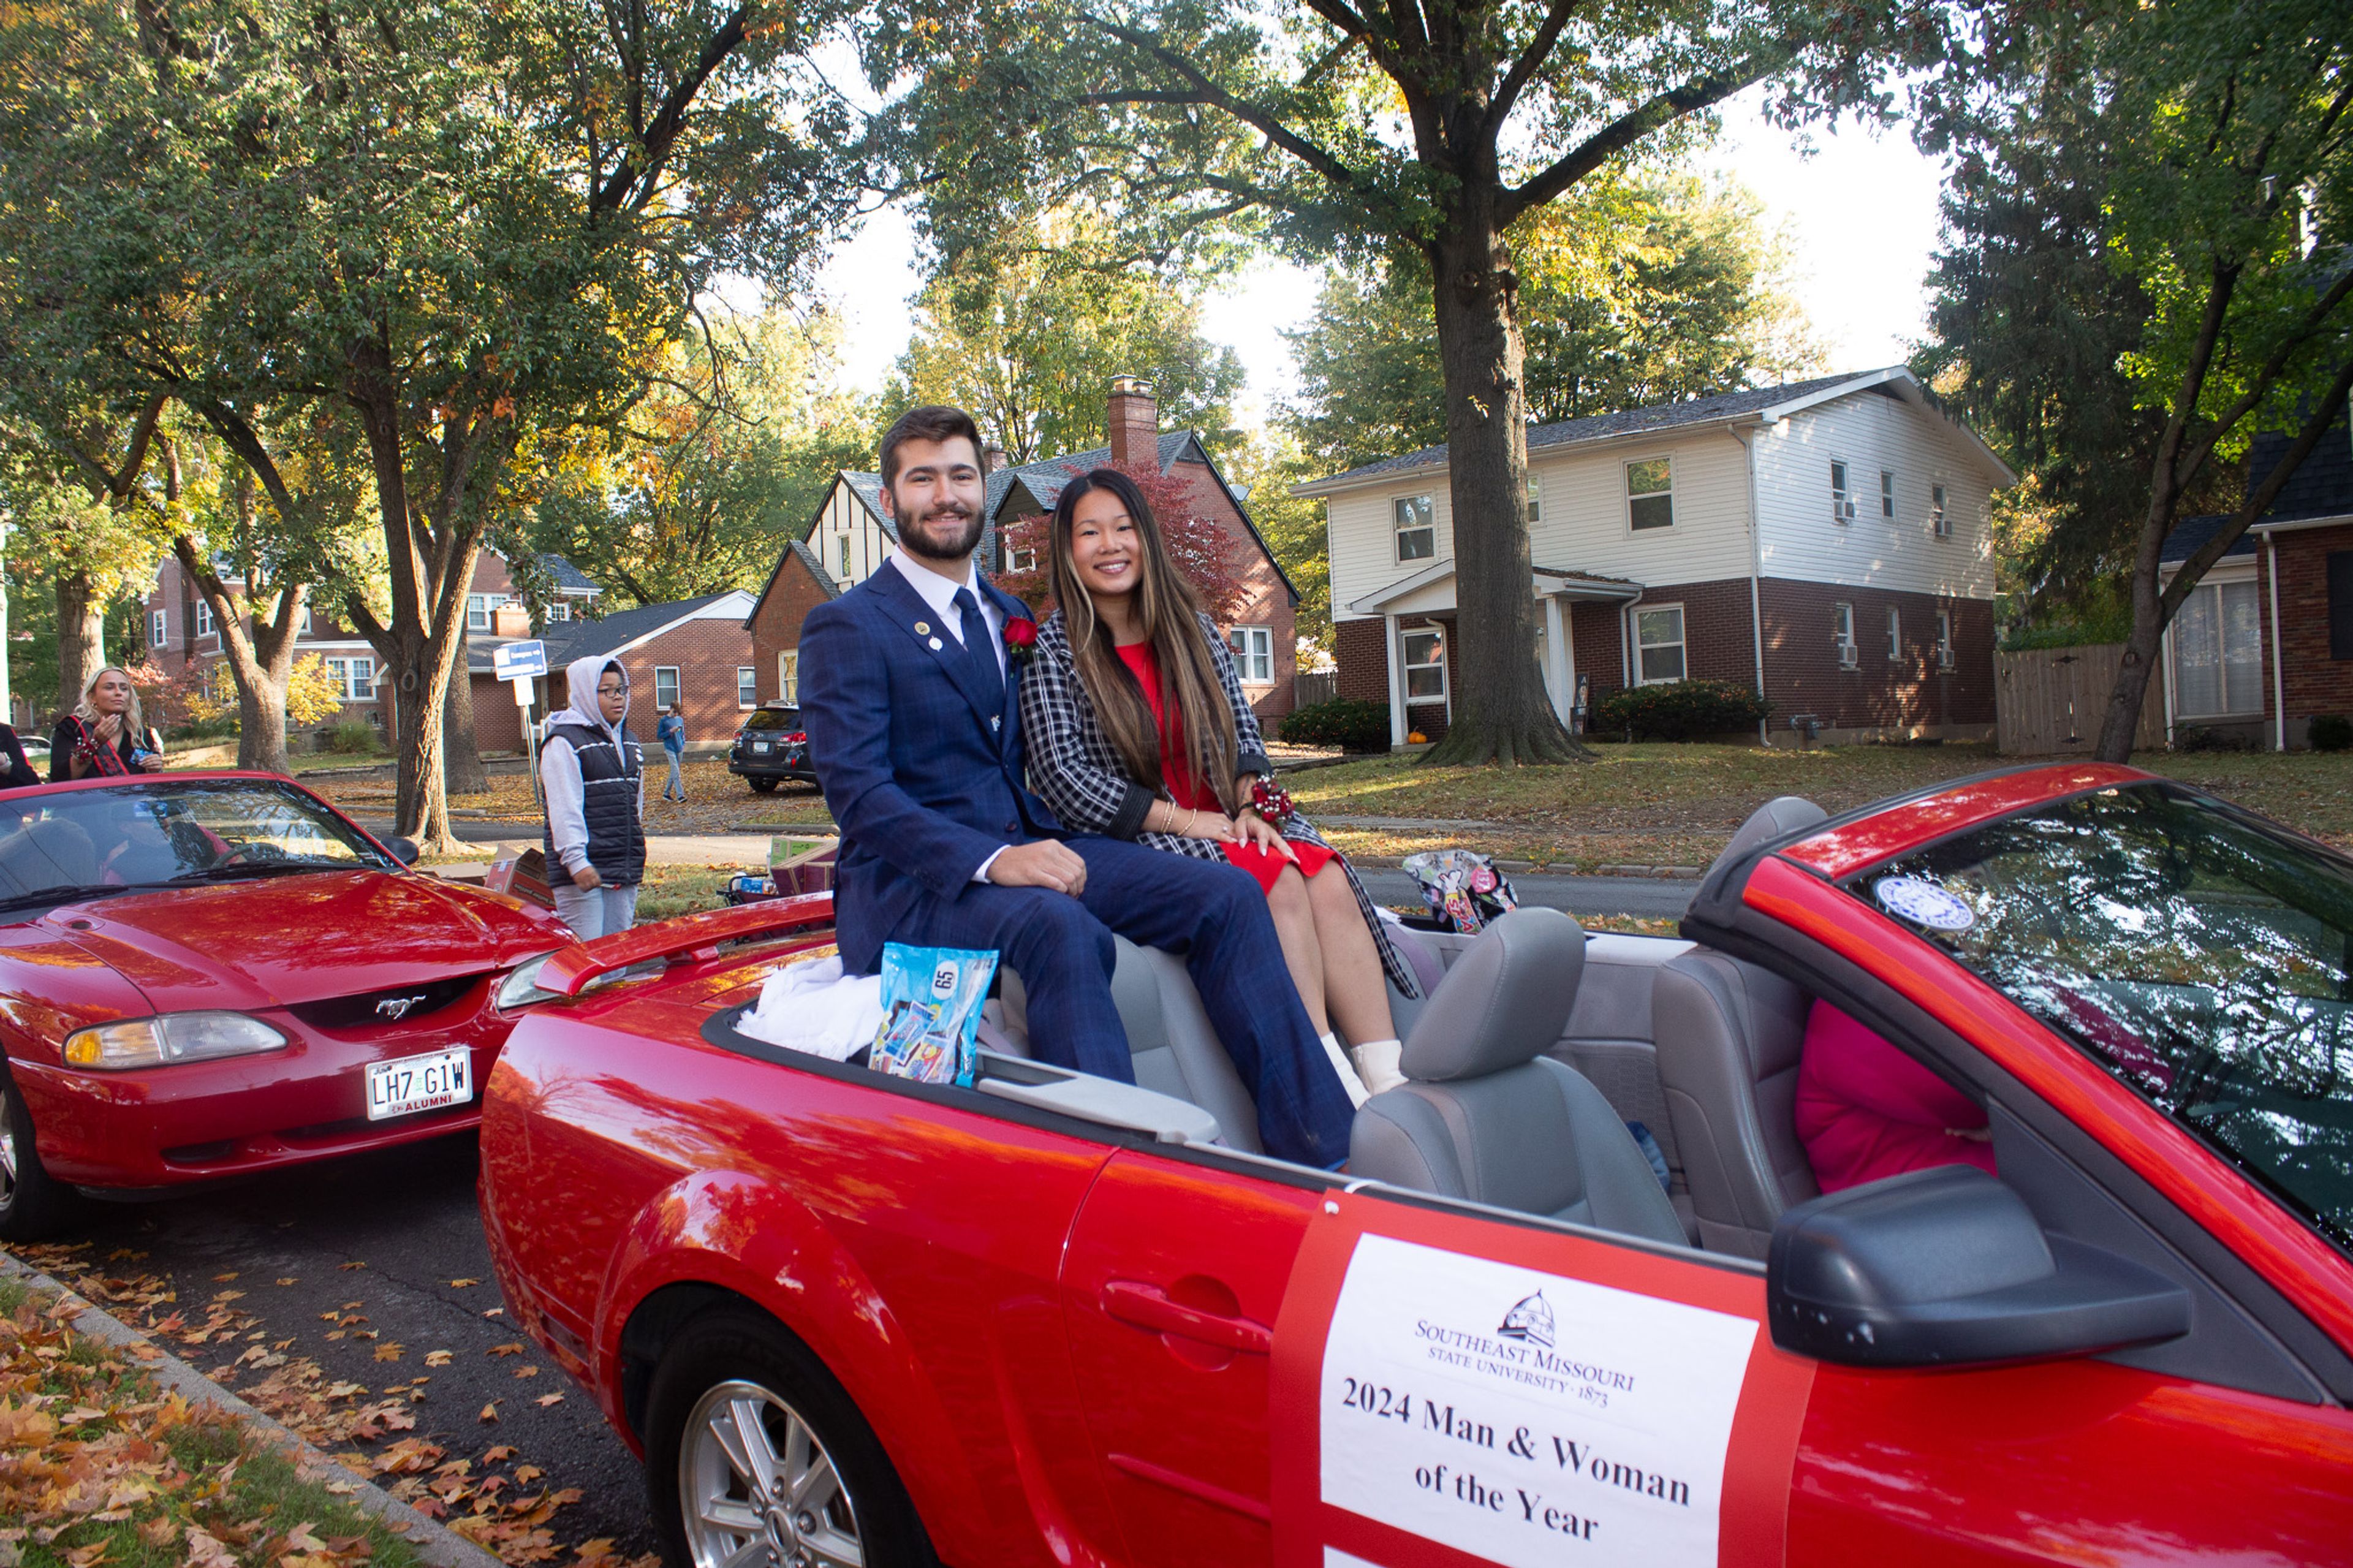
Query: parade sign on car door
[{"x": 1518, "y": 1413}]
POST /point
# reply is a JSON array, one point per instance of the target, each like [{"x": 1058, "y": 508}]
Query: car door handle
[{"x": 1149, "y": 1306}]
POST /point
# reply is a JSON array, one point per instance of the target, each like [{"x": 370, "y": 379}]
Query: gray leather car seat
[
  {"x": 1487, "y": 1116},
  {"x": 1729, "y": 1038},
  {"x": 1170, "y": 1042}
]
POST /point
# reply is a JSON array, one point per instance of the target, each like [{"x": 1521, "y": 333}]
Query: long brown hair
[{"x": 1170, "y": 614}]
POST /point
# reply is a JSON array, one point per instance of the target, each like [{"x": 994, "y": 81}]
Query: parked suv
[{"x": 771, "y": 745}]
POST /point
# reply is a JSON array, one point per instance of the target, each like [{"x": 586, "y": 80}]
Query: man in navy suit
[{"x": 912, "y": 708}]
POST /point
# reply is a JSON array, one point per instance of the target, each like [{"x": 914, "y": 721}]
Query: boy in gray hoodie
[{"x": 593, "y": 775}]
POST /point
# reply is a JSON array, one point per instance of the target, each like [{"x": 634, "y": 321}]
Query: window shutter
[{"x": 2340, "y": 603}]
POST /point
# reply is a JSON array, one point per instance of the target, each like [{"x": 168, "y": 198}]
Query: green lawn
[{"x": 1670, "y": 805}]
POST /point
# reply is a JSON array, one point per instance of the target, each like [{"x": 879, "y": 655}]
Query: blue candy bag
[{"x": 932, "y": 998}]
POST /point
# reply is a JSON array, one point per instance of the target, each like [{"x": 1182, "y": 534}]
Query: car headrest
[
  {"x": 1782, "y": 813},
  {"x": 1503, "y": 1002}
]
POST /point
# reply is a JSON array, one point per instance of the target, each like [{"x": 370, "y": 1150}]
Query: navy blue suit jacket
[{"x": 921, "y": 788}]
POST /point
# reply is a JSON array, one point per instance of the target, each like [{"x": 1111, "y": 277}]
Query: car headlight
[
  {"x": 520, "y": 987},
  {"x": 174, "y": 1037}
]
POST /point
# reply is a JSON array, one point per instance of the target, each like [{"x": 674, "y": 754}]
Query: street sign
[
  {"x": 519, "y": 660},
  {"x": 522, "y": 693}
]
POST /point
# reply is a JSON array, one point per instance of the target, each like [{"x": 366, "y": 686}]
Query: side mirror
[
  {"x": 403, "y": 850},
  {"x": 1948, "y": 1267}
]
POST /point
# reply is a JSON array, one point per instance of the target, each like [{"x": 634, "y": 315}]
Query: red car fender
[{"x": 746, "y": 1235}]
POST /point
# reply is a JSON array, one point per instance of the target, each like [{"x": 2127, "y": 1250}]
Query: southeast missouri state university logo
[{"x": 1530, "y": 1321}]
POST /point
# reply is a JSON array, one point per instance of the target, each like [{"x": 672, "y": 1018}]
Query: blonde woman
[
  {"x": 1137, "y": 729},
  {"x": 106, "y": 733}
]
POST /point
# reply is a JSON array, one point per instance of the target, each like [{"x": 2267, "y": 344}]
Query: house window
[
  {"x": 841, "y": 555},
  {"x": 1253, "y": 654},
  {"x": 204, "y": 619},
  {"x": 1416, "y": 528},
  {"x": 788, "y": 676},
  {"x": 1021, "y": 561},
  {"x": 1944, "y": 639},
  {"x": 559, "y": 610},
  {"x": 355, "y": 678},
  {"x": 477, "y": 612},
  {"x": 2340, "y": 603},
  {"x": 1894, "y": 636},
  {"x": 665, "y": 685},
  {"x": 747, "y": 686},
  {"x": 1425, "y": 665},
  {"x": 306, "y": 621},
  {"x": 1535, "y": 501},
  {"x": 1887, "y": 493},
  {"x": 1938, "y": 523},
  {"x": 159, "y": 629},
  {"x": 1841, "y": 498},
  {"x": 1658, "y": 643},
  {"x": 1650, "y": 494},
  {"x": 1843, "y": 634},
  {"x": 2218, "y": 651}
]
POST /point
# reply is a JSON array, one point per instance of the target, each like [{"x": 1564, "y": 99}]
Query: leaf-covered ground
[
  {"x": 100, "y": 1469},
  {"x": 495, "y": 1499}
]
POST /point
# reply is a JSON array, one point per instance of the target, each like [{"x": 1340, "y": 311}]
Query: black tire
[
  {"x": 762, "y": 786},
  {"x": 33, "y": 1204},
  {"x": 774, "y": 1372}
]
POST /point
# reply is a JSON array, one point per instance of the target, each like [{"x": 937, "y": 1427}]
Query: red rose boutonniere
[{"x": 1020, "y": 639}]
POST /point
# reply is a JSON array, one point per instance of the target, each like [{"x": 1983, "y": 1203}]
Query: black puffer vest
[{"x": 608, "y": 804}]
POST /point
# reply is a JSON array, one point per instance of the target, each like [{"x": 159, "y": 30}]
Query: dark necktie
[{"x": 979, "y": 655}]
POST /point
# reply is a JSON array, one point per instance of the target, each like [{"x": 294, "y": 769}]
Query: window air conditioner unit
[
  {"x": 1850, "y": 657},
  {"x": 1842, "y": 511}
]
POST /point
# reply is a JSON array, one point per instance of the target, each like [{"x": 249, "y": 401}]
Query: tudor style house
[
  {"x": 2263, "y": 644},
  {"x": 851, "y": 533},
  {"x": 1826, "y": 543}
]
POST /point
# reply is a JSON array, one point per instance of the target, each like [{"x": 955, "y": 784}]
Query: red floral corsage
[
  {"x": 1020, "y": 639},
  {"x": 1270, "y": 799}
]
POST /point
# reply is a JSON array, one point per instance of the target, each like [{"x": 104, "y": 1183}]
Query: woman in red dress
[{"x": 1137, "y": 728}]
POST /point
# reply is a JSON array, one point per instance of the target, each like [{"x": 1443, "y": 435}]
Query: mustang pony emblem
[{"x": 396, "y": 1007}]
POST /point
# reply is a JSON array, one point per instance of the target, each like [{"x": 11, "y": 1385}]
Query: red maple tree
[{"x": 1211, "y": 558}]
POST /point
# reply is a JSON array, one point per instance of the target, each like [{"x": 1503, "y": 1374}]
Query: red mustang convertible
[
  {"x": 209, "y": 975},
  {"x": 1578, "y": 1296}
]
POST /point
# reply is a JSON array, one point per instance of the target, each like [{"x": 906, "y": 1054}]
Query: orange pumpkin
[{"x": 1417, "y": 739}]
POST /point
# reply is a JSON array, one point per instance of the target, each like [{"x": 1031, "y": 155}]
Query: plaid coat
[{"x": 1074, "y": 769}]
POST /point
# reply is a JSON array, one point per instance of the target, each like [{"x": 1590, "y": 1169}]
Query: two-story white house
[{"x": 1826, "y": 543}]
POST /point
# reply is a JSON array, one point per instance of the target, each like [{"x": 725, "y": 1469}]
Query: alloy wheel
[{"x": 757, "y": 1490}]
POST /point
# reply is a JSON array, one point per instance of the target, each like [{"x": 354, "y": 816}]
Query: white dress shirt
[{"x": 940, "y": 593}]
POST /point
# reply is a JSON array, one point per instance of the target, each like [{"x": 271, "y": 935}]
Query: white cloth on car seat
[{"x": 813, "y": 1008}]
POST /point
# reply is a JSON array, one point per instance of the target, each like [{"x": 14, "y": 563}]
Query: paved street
[{"x": 381, "y": 1239}]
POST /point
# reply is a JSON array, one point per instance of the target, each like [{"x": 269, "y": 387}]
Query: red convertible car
[
  {"x": 206, "y": 975},
  {"x": 1054, "y": 1320}
]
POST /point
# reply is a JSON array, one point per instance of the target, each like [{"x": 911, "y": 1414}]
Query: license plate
[
  {"x": 411, "y": 1084},
  {"x": 760, "y": 746}
]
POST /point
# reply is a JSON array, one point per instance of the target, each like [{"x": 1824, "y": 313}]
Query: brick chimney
[
  {"x": 1134, "y": 422},
  {"x": 992, "y": 457}
]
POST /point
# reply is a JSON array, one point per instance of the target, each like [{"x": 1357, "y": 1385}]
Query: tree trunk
[
  {"x": 1502, "y": 712},
  {"x": 81, "y": 635},
  {"x": 461, "y": 754},
  {"x": 261, "y": 725}
]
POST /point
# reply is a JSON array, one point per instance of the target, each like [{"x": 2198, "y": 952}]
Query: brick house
[
  {"x": 179, "y": 632},
  {"x": 851, "y": 533},
  {"x": 2263, "y": 644},
  {"x": 695, "y": 652},
  {"x": 1826, "y": 543}
]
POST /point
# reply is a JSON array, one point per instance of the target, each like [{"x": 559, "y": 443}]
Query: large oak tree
[{"x": 1331, "y": 127}]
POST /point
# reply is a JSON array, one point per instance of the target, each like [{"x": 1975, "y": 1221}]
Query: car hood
[{"x": 285, "y": 939}]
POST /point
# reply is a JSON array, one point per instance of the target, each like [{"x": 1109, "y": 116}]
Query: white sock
[
  {"x": 1376, "y": 1063},
  {"x": 1357, "y": 1094}
]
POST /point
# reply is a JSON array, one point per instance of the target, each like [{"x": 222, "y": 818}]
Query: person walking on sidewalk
[
  {"x": 594, "y": 774},
  {"x": 670, "y": 731}
]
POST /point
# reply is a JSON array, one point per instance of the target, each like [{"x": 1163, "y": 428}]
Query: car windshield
[
  {"x": 2199, "y": 954},
  {"x": 159, "y": 834},
  {"x": 773, "y": 719}
]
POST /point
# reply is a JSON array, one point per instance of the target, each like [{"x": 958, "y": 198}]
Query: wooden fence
[
  {"x": 2049, "y": 702},
  {"x": 1307, "y": 689}
]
